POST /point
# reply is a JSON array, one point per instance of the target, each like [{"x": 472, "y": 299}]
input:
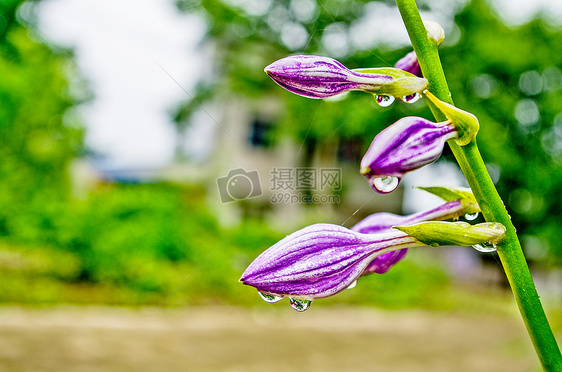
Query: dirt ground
[{"x": 235, "y": 339}]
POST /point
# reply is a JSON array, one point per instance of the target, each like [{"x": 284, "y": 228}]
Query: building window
[{"x": 261, "y": 133}]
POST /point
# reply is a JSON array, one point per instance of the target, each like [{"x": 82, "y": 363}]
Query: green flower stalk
[{"x": 493, "y": 209}]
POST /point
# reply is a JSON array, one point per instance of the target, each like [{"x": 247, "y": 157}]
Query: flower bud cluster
[{"x": 324, "y": 259}]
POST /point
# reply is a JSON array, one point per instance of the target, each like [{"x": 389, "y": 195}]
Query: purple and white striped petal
[
  {"x": 383, "y": 222},
  {"x": 319, "y": 261},
  {"x": 321, "y": 77},
  {"x": 384, "y": 262},
  {"x": 406, "y": 145},
  {"x": 410, "y": 63}
]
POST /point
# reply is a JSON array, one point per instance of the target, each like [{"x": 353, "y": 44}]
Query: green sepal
[
  {"x": 465, "y": 122},
  {"x": 455, "y": 233},
  {"x": 403, "y": 84},
  {"x": 388, "y": 71},
  {"x": 470, "y": 205}
]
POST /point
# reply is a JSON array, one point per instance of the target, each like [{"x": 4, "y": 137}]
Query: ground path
[{"x": 237, "y": 339}]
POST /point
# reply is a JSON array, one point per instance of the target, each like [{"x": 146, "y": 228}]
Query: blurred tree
[
  {"x": 249, "y": 35},
  {"x": 37, "y": 140},
  {"x": 510, "y": 78}
]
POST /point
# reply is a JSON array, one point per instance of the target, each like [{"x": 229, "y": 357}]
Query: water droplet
[
  {"x": 300, "y": 305},
  {"x": 471, "y": 216},
  {"x": 384, "y": 101},
  {"x": 485, "y": 247},
  {"x": 352, "y": 285},
  {"x": 270, "y": 298},
  {"x": 385, "y": 184},
  {"x": 411, "y": 98}
]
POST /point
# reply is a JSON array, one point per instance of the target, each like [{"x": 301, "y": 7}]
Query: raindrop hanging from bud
[
  {"x": 384, "y": 184},
  {"x": 270, "y": 298},
  {"x": 383, "y": 100},
  {"x": 300, "y": 305},
  {"x": 485, "y": 247},
  {"x": 352, "y": 285},
  {"x": 411, "y": 98},
  {"x": 471, "y": 216}
]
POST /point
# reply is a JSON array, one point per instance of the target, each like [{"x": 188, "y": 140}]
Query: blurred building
[{"x": 256, "y": 173}]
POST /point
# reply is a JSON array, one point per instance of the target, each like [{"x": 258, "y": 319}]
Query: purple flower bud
[
  {"x": 322, "y": 77},
  {"x": 410, "y": 63},
  {"x": 408, "y": 144},
  {"x": 435, "y": 32},
  {"x": 319, "y": 261},
  {"x": 383, "y": 222}
]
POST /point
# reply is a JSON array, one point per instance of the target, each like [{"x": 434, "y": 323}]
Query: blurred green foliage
[
  {"x": 124, "y": 244},
  {"x": 36, "y": 145},
  {"x": 155, "y": 244},
  {"x": 510, "y": 78}
]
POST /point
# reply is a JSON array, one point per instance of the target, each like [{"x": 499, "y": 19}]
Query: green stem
[{"x": 493, "y": 209}]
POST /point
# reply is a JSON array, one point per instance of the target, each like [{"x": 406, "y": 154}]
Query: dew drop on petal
[
  {"x": 300, "y": 305},
  {"x": 383, "y": 100},
  {"x": 411, "y": 98},
  {"x": 385, "y": 184},
  {"x": 352, "y": 285},
  {"x": 471, "y": 216},
  {"x": 485, "y": 247},
  {"x": 270, "y": 298}
]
